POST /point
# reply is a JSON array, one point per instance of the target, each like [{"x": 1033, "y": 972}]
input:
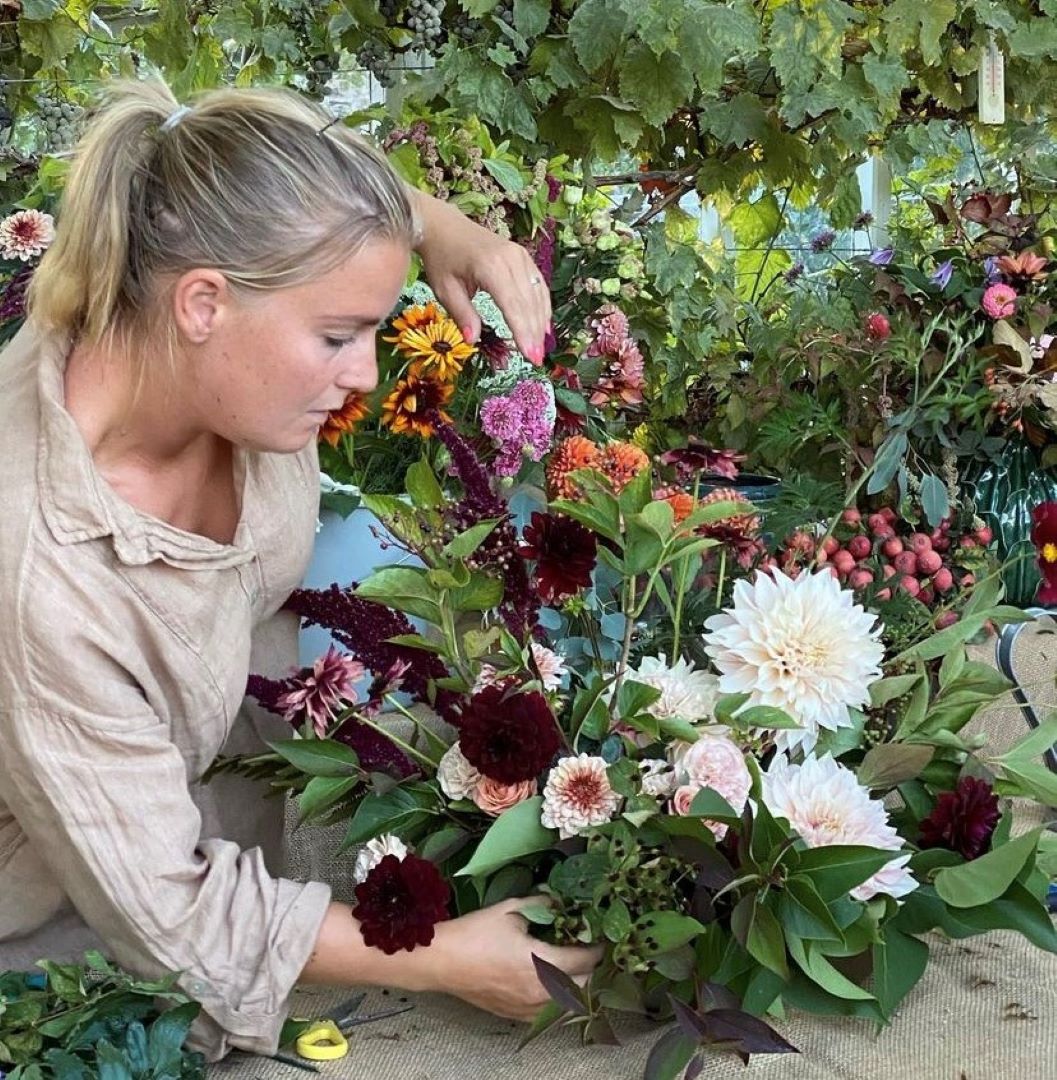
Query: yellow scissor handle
[{"x": 322, "y": 1042}]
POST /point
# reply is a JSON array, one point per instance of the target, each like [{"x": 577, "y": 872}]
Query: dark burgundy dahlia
[
  {"x": 964, "y": 819},
  {"x": 564, "y": 552},
  {"x": 508, "y": 736},
  {"x": 1044, "y": 537},
  {"x": 400, "y": 903}
]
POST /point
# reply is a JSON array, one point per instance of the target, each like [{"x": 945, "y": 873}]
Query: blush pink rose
[
  {"x": 493, "y": 797},
  {"x": 683, "y": 799}
]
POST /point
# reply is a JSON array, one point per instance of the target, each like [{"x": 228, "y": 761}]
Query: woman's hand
[
  {"x": 485, "y": 958},
  {"x": 461, "y": 257}
]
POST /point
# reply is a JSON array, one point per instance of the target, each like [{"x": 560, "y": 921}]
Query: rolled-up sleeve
[{"x": 105, "y": 803}]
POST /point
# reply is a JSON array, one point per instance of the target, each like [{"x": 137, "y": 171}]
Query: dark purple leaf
[
  {"x": 693, "y": 1070},
  {"x": 753, "y": 1034},
  {"x": 716, "y": 996},
  {"x": 669, "y": 1056},
  {"x": 701, "y": 906},
  {"x": 599, "y": 1031},
  {"x": 694, "y": 1026},
  {"x": 560, "y": 987}
]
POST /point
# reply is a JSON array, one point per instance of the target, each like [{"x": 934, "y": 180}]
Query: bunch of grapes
[
  {"x": 504, "y": 12},
  {"x": 423, "y": 20},
  {"x": 389, "y": 9},
  {"x": 377, "y": 58},
  {"x": 61, "y": 122}
]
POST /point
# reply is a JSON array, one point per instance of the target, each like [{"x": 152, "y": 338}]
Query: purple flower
[
  {"x": 942, "y": 275},
  {"x": 863, "y": 221},
  {"x": 554, "y": 188},
  {"x": 794, "y": 273},
  {"x": 522, "y": 422},
  {"x": 322, "y": 690},
  {"x": 545, "y": 248},
  {"x": 823, "y": 241},
  {"x": 882, "y": 256},
  {"x": 13, "y": 293},
  {"x": 991, "y": 271}
]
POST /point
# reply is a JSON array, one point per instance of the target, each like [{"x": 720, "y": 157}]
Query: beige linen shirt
[{"x": 123, "y": 664}]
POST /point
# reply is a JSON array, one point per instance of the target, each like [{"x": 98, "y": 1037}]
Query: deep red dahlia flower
[
  {"x": 1044, "y": 537},
  {"x": 964, "y": 819},
  {"x": 564, "y": 552},
  {"x": 508, "y": 736},
  {"x": 400, "y": 903}
]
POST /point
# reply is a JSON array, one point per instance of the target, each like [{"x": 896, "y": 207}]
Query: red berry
[
  {"x": 878, "y": 328},
  {"x": 888, "y": 514},
  {"x": 943, "y": 579},
  {"x": 859, "y": 577},
  {"x": 831, "y": 545},
  {"x": 929, "y": 562},
  {"x": 984, "y": 535},
  {"x": 860, "y": 546},
  {"x": 877, "y": 521},
  {"x": 926, "y": 596},
  {"x": 892, "y": 546},
  {"x": 851, "y": 516},
  {"x": 945, "y": 619},
  {"x": 941, "y": 545},
  {"x": 945, "y": 525},
  {"x": 884, "y": 594},
  {"x": 910, "y": 584},
  {"x": 888, "y": 571},
  {"x": 886, "y": 532},
  {"x": 906, "y": 562},
  {"x": 919, "y": 542},
  {"x": 844, "y": 561}
]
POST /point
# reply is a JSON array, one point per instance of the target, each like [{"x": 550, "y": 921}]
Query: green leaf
[
  {"x": 635, "y": 697},
  {"x": 656, "y": 85},
  {"x": 507, "y": 175},
  {"x": 666, "y": 929},
  {"x": 889, "y": 764},
  {"x": 805, "y": 913},
  {"x": 398, "y": 811},
  {"x": 469, "y": 540},
  {"x": 404, "y": 588},
  {"x": 887, "y": 462},
  {"x": 836, "y": 869},
  {"x": 421, "y": 484},
  {"x": 708, "y": 803},
  {"x": 914, "y": 25},
  {"x": 531, "y": 17},
  {"x": 986, "y": 878},
  {"x": 895, "y": 686},
  {"x": 319, "y": 757},
  {"x": 766, "y": 942},
  {"x": 516, "y": 832},
  {"x": 1030, "y": 779},
  {"x": 1034, "y": 744},
  {"x": 322, "y": 792},
  {"x": 481, "y": 593},
  {"x": 767, "y": 716},
  {"x": 899, "y": 961},
  {"x": 616, "y": 923},
  {"x": 934, "y": 499},
  {"x": 1017, "y": 910},
  {"x": 670, "y": 1055},
  {"x": 596, "y": 31},
  {"x": 815, "y": 965}
]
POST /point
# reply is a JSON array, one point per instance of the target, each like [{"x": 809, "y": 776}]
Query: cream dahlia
[
  {"x": 458, "y": 779},
  {"x": 685, "y": 692},
  {"x": 550, "y": 665},
  {"x": 26, "y": 234},
  {"x": 372, "y": 853},
  {"x": 577, "y": 795},
  {"x": 801, "y": 645},
  {"x": 826, "y": 804}
]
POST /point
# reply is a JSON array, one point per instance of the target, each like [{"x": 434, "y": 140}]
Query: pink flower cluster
[
  {"x": 623, "y": 378},
  {"x": 521, "y": 422}
]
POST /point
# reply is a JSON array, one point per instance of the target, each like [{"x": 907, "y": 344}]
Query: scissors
[{"x": 326, "y": 1039}]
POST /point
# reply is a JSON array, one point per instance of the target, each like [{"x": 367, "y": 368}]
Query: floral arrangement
[{"x": 750, "y": 812}]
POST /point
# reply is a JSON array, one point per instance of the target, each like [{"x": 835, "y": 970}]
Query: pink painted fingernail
[{"x": 467, "y": 332}]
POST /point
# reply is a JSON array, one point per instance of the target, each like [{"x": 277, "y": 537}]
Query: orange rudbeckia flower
[
  {"x": 410, "y": 406},
  {"x": 344, "y": 419}
]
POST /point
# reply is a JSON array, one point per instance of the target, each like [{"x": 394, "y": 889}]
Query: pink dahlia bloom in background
[
  {"x": 26, "y": 234},
  {"x": 715, "y": 762},
  {"x": 521, "y": 422},
  {"x": 999, "y": 300},
  {"x": 324, "y": 691},
  {"x": 493, "y": 797}
]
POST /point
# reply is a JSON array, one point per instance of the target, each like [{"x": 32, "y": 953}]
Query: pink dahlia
[
  {"x": 26, "y": 234},
  {"x": 578, "y": 795},
  {"x": 999, "y": 300},
  {"x": 320, "y": 694}
]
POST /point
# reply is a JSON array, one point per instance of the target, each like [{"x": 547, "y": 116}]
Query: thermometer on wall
[{"x": 991, "y": 98}]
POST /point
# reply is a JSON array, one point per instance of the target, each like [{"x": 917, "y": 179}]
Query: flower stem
[{"x": 423, "y": 759}]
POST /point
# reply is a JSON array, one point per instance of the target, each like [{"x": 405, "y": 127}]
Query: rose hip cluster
[{"x": 879, "y": 553}]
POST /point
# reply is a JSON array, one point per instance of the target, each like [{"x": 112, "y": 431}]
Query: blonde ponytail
[{"x": 253, "y": 182}]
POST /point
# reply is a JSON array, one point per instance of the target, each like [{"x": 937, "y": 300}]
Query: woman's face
[{"x": 272, "y": 367}]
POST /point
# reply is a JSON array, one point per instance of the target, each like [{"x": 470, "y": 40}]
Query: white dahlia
[
  {"x": 577, "y": 795},
  {"x": 551, "y": 666},
  {"x": 372, "y": 853},
  {"x": 802, "y": 645},
  {"x": 458, "y": 779},
  {"x": 26, "y": 234},
  {"x": 685, "y": 692},
  {"x": 825, "y": 804}
]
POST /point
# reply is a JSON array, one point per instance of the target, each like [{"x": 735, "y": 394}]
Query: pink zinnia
[
  {"x": 26, "y": 234},
  {"x": 320, "y": 694},
  {"x": 999, "y": 300}
]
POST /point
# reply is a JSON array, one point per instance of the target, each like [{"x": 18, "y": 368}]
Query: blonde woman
[{"x": 213, "y": 290}]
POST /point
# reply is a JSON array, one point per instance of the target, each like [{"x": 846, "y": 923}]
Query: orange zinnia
[
  {"x": 407, "y": 409},
  {"x": 344, "y": 419},
  {"x": 575, "y": 452}
]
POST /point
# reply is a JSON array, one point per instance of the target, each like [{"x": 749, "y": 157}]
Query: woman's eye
[{"x": 336, "y": 342}]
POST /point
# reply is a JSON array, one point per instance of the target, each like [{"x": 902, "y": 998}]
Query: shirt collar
[{"x": 79, "y": 505}]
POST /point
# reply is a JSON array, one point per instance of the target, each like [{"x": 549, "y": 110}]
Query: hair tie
[{"x": 174, "y": 118}]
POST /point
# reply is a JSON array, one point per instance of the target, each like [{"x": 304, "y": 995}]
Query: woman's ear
[{"x": 200, "y": 299}]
